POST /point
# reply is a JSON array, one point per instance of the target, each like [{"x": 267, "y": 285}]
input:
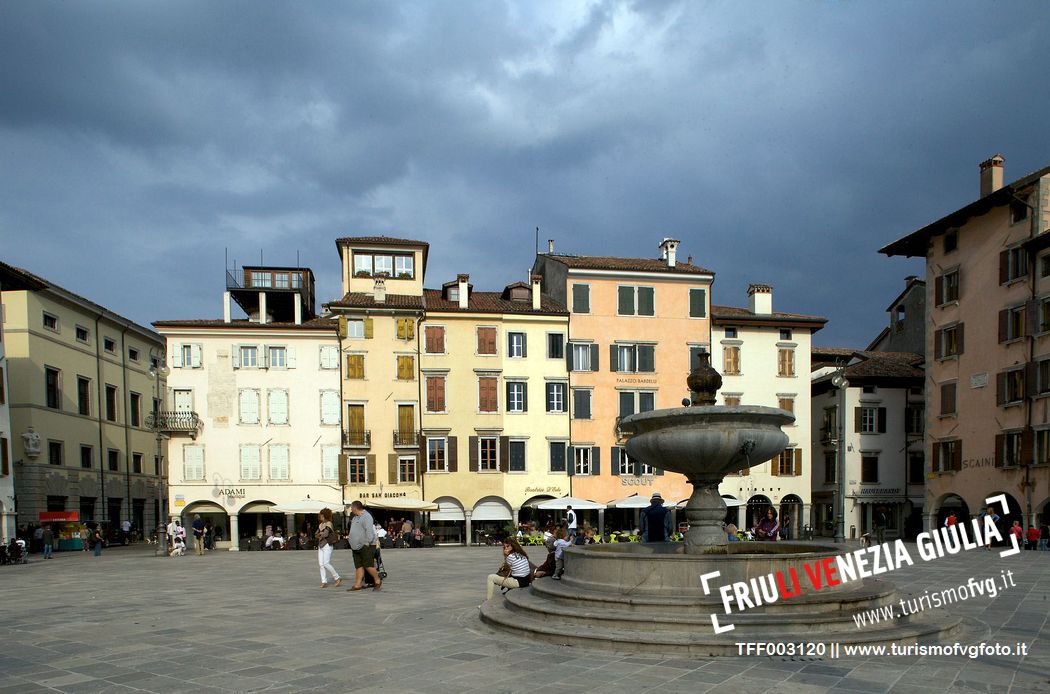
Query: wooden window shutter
[
  {"x": 524, "y": 397},
  {"x": 5, "y": 460},
  {"x": 342, "y": 327},
  {"x": 369, "y": 329},
  {"x": 410, "y": 329},
  {"x": 452, "y": 454},
  {"x": 882, "y": 420},
  {"x": 615, "y": 458},
  {"x": 1004, "y": 266},
  {"x": 1031, "y": 317},
  {"x": 613, "y": 361},
  {"x": 957, "y": 456},
  {"x": 798, "y": 462},
  {"x": 1031, "y": 376},
  {"x": 344, "y": 473},
  {"x": 938, "y": 342},
  {"x": 422, "y": 455},
  {"x": 504, "y": 453},
  {"x": 472, "y": 441},
  {"x": 1004, "y": 325},
  {"x": 938, "y": 290},
  {"x": 1000, "y": 388},
  {"x": 774, "y": 464},
  {"x": 391, "y": 467},
  {"x": 370, "y": 469},
  {"x": 405, "y": 368},
  {"x": 934, "y": 450},
  {"x": 1027, "y": 446},
  {"x": 596, "y": 460},
  {"x": 858, "y": 419},
  {"x": 1000, "y": 444},
  {"x": 658, "y": 471},
  {"x": 401, "y": 330},
  {"x": 594, "y": 357},
  {"x": 959, "y": 338}
]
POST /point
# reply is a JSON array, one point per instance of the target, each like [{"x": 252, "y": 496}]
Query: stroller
[
  {"x": 380, "y": 569},
  {"x": 17, "y": 552}
]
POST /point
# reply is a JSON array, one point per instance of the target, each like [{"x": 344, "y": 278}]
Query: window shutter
[
  {"x": 1031, "y": 317},
  {"x": 858, "y": 418},
  {"x": 697, "y": 303},
  {"x": 422, "y": 453},
  {"x": 401, "y": 328},
  {"x": 798, "y": 462},
  {"x": 938, "y": 291},
  {"x": 370, "y": 469},
  {"x": 524, "y": 345},
  {"x": 957, "y": 457},
  {"x": 774, "y": 465},
  {"x": 594, "y": 357},
  {"x": 959, "y": 338},
  {"x": 934, "y": 461},
  {"x": 290, "y": 356},
  {"x": 646, "y": 301},
  {"x": 504, "y": 453},
  {"x": 278, "y": 406},
  {"x": 1000, "y": 388},
  {"x": 329, "y": 407},
  {"x": 570, "y": 463},
  {"x": 1000, "y": 440},
  {"x": 472, "y": 441},
  {"x": 249, "y": 406},
  {"x": 506, "y": 385},
  {"x": 596, "y": 460},
  {"x": 658, "y": 471},
  {"x": 616, "y": 451},
  {"x": 1027, "y": 446},
  {"x": 568, "y": 357},
  {"x": 524, "y": 397},
  {"x": 938, "y": 342},
  {"x": 1031, "y": 371},
  {"x": 344, "y": 473},
  {"x": 410, "y": 328},
  {"x": 625, "y": 301},
  {"x": 1004, "y": 260},
  {"x": 882, "y": 420},
  {"x": 614, "y": 364},
  {"x": 647, "y": 358},
  {"x": 176, "y": 357},
  {"x": 235, "y": 356},
  {"x": 369, "y": 329},
  {"x": 195, "y": 356},
  {"x": 432, "y": 394},
  {"x": 391, "y": 468},
  {"x": 452, "y": 454},
  {"x": 510, "y": 343},
  {"x": 1004, "y": 325}
]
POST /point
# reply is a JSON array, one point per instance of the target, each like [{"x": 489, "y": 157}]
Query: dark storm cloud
[{"x": 782, "y": 142}]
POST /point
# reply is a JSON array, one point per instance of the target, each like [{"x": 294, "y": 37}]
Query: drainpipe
[
  {"x": 419, "y": 436},
  {"x": 127, "y": 419},
  {"x": 1030, "y": 329}
]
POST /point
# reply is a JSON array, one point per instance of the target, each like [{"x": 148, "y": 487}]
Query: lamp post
[
  {"x": 156, "y": 373},
  {"x": 840, "y": 382}
]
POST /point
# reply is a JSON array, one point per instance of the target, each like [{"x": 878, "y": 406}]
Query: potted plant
[
  {"x": 362, "y": 273},
  {"x": 404, "y": 275}
]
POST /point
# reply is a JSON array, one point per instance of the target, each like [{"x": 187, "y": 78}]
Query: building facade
[
  {"x": 987, "y": 339},
  {"x": 764, "y": 359},
  {"x": 81, "y": 386}
]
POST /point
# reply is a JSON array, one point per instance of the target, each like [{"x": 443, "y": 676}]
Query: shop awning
[
  {"x": 258, "y": 507},
  {"x": 307, "y": 506},
  {"x": 566, "y": 501},
  {"x": 490, "y": 511},
  {"x": 632, "y": 501},
  {"x": 447, "y": 511},
  {"x": 402, "y": 504}
]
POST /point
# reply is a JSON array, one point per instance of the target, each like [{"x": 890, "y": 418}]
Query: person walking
[
  {"x": 85, "y": 538},
  {"x": 172, "y": 528},
  {"x": 49, "y": 541},
  {"x": 96, "y": 540},
  {"x": 879, "y": 520},
  {"x": 362, "y": 541},
  {"x": 990, "y": 513},
  {"x": 1044, "y": 536},
  {"x": 655, "y": 520},
  {"x": 570, "y": 520},
  {"x": 198, "y": 534},
  {"x": 125, "y": 532},
  {"x": 325, "y": 536}
]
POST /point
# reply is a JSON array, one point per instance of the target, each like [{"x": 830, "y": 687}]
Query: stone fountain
[{"x": 632, "y": 597}]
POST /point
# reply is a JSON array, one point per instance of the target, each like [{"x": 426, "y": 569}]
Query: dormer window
[
  {"x": 392, "y": 265},
  {"x": 453, "y": 293}
]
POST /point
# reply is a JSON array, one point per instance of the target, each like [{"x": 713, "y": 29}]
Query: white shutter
[
  {"x": 329, "y": 407},
  {"x": 329, "y": 462},
  {"x": 193, "y": 462},
  {"x": 249, "y": 406},
  {"x": 290, "y": 357},
  {"x": 176, "y": 357},
  {"x": 195, "y": 356},
  {"x": 329, "y": 357},
  {"x": 263, "y": 357},
  {"x": 235, "y": 356},
  {"x": 250, "y": 468},
  {"x": 278, "y": 402},
  {"x": 279, "y": 461}
]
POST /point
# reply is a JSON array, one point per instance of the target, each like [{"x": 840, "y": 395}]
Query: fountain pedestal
[{"x": 706, "y": 512}]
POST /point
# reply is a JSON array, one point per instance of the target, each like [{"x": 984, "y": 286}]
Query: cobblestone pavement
[{"x": 257, "y": 621}]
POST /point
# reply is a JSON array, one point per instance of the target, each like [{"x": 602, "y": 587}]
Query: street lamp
[
  {"x": 840, "y": 382},
  {"x": 156, "y": 373}
]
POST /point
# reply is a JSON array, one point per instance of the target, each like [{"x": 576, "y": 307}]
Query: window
[
  {"x": 785, "y": 362},
  {"x": 1042, "y": 376},
  {"x": 870, "y": 420},
  {"x": 187, "y": 356},
  {"x": 948, "y": 342},
  {"x": 1042, "y": 446},
  {"x": 136, "y": 463},
  {"x": 330, "y": 462},
  {"x": 1011, "y": 323},
  {"x": 581, "y": 459},
  {"x": 355, "y": 329},
  {"x": 946, "y": 288},
  {"x": 133, "y": 354},
  {"x": 584, "y": 356},
  {"x": 1044, "y": 314},
  {"x": 914, "y": 419},
  {"x": 1044, "y": 266},
  {"x": 633, "y": 358},
  {"x": 251, "y": 465},
  {"x": 404, "y": 267},
  {"x": 556, "y": 397},
  {"x": 278, "y": 461},
  {"x": 277, "y": 406},
  {"x": 87, "y": 455},
  {"x": 581, "y": 298},
  {"x": 50, "y": 322},
  {"x": 916, "y": 468},
  {"x": 437, "y": 455},
  {"x": 281, "y": 280},
  {"x": 731, "y": 360},
  {"x": 731, "y": 400},
  {"x": 81, "y": 333},
  {"x": 516, "y": 345},
  {"x": 383, "y": 265},
  {"x": 488, "y": 398},
  {"x": 135, "y": 409},
  {"x": 329, "y": 357},
  {"x": 488, "y": 460},
  {"x": 357, "y": 470},
  {"x": 786, "y": 404},
  {"x": 362, "y": 264},
  {"x": 109, "y": 344},
  {"x": 631, "y": 301},
  {"x": 261, "y": 279},
  {"x": 951, "y": 241},
  {"x": 634, "y": 401},
  {"x": 486, "y": 341},
  {"x": 517, "y": 396},
  {"x": 406, "y": 328},
  {"x": 111, "y": 403},
  {"x": 1013, "y": 264},
  {"x": 830, "y": 467},
  {"x": 555, "y": 346},
  {"x": 406, "y": 367},
  {"x": 698, "y": 303},
  {"x": 54, "y": 452},
  {"x": 581, "y": 403},
  {"x": 1008, "y": 449},
  {"x": 869, "y": 469},
  {"x": 788, "y": 462},
  {"x": 355, "y": 366},
  {"x": 557, "y": 456},
  {"x": 785, "y": 334},
  {"x": 434, "y": 339},
  {"x": 1018, "y": 211},
  {"x": 947, "y": 455},
  {"x": 731, "y": 334},
  {"x": 113, "y": 460},
  {"x": 277, "y": 358},
  {"x": 947, "y": 399},
  {"x": 52, "y": 388},
  {"x": 436, "y": 394},
  {"x": 1010, "y": 387},
  {"x": 516, "y": 456},
  {"x": 249, "y": 406},
  {"x": 870, "y": 389},
  {"x": 406, "y": 469},
  {"x": 84, "y": 396},
  {"x": 329, "y": 407},
  {"x": 249, "y": 356}
]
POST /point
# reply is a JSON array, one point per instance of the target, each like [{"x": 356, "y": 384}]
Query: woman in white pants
[{"x": 325, "y": 536}]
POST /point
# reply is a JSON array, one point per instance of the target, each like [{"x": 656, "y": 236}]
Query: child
[
  {"x": 178, "y": 548},
  {"x": 560, "y": 543}
]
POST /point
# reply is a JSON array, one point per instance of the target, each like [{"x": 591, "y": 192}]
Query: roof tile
[{"x": 598, "y": 262}]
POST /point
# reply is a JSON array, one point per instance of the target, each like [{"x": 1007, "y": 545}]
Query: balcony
[
  {"x": 405, "y": 439},
  {"x": 828, "y": 436},
  {"x": 357, "y": 439},
  {"x": 174, "y": 423}
]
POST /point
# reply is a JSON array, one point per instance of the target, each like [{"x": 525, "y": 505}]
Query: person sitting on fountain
[
  {"x": 768, "y": 528},
  {"x": 516, "y": 571},
  {"x": 656, "y": 520},
  {"x": 731, "y": 533}
]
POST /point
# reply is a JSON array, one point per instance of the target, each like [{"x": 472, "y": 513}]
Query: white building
[
  {"x": 254, "y": 407},
  {"x": 764, "y": 359},
  {"x": 8, "y": 523}
]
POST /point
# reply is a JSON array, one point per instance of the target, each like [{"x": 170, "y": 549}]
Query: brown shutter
[
  {"x": 1000, "y": 388},
  {"x": 1004, "y": 324},
  {"x": 472, "y": 441},
  {"x": 5, "y": 461},
  {"x": 957, "y": 457},
  {"x": 1000, "y": 440},
  {"x": 431, "y": 386},
  {"x": 959, "y": 338},
  {"x": 410, "y": 328},
  {"x": 1003, "y": 266},
  {"x": 504, "y": 453},
  {"x": 422, "y": 453},
  {"x": 369, "y": 329},
  {"x": 858, "y": 418},
  {"x": 370, "y": 469},
  {"x": 938, "y": 350},
  {"x": 934, "y": 462},
  {"x": 440, "y": 340},
  {"x": 344, "y": 475},
  {"x": 439, "y": 395},
  {"x": 798, "y": 462},
  {"x": 1027, "y": 446},
  {"x": 774, "y": 465},
  {"x": 452, "y": 454},
  {"x": 1030, "y": 378},
  {"x": 938, "y": 290},
  {"x": 1031, "y": 317},
  {"x": 391, "y": 467}
]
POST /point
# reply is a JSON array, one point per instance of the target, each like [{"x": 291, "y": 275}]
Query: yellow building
[
  {"x": 495, "y": 419},
  {"x": 80, "y": 394}
]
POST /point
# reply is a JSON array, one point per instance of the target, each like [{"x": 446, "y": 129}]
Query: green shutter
[
  {"x": 646, "y": 301},
  {"x": 646, "y": 358},
  {"x": 625, "y": 301},
  {"x": 697, "y": 303}
]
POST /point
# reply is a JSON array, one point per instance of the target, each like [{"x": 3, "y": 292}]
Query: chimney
[
  {"x": 537, "y": 288},
  {"x": 761, "y": 299},
  {"x": 464, "y": 290},
  {"x": 550, "y": 246},
  {"x": 669, "y": 251},
  {"x": 992, "y": 174},
  {"x": 226, "y": 309},
  {"x": 379, "y": 290}
]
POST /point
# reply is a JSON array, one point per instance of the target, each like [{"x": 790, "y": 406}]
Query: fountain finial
[{"x": 704, "y": 381}]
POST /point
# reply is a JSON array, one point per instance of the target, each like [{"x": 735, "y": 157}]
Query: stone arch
[
  {"x": 945, "y": 504},
  {"x": 791, "y": 507},
  {"x": 756, "y": 507}
]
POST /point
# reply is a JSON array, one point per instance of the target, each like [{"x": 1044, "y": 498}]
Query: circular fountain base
[{"x": 636, "y": 598}]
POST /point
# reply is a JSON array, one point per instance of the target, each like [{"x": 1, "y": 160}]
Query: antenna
[
  {"x": 260, "y": 257},
  {"x": 297, "y": 258},
  {"x": 537, "y": 240}
]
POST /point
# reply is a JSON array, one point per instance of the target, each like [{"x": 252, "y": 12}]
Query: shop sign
[
  {"x": 541, "y": 490},
  {"x": 180, "y": 501},
  {"x": 884, "y": 491},
  {"x": 231, "y": 493},
  {"x": 636, "y": 381},
  {"x": 384, "y": 495},
  {"x": 59, "y": 516},
  {"x": 979, "y": 380},
  {"x": 636, "y": 481}
]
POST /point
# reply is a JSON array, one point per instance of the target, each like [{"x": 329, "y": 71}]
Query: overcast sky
[{"x": 782, "y": 142}]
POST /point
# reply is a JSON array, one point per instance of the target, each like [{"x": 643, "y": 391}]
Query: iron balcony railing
[
  {"x": 828, "y": 435},
  {"x": 405, "y": 438},
  {"x": 174, "y": 422},
  {"x": 357, "y": 439}
]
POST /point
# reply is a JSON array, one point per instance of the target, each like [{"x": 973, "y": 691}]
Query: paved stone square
[{"x": 258, "y": 622}]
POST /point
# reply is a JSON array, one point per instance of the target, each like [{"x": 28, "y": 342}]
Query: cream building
[
  {"x": 253, "y": 407},
  {"x": 79, "y": 394},
  {"x": 495, "y": 419},
  {"x": 764, "y": 358}
]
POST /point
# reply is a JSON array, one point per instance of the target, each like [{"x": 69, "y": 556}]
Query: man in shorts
[{"x": 362, "y": 543}]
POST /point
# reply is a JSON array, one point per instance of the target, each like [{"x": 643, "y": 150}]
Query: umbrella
[
  {"x": 307, "y": 505},
  {"x": 632, "y": 501},
  {"x": 405, "y": 504},
  {"x": 565, "y": 501},
  {"x": 730, "y": 503}
]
